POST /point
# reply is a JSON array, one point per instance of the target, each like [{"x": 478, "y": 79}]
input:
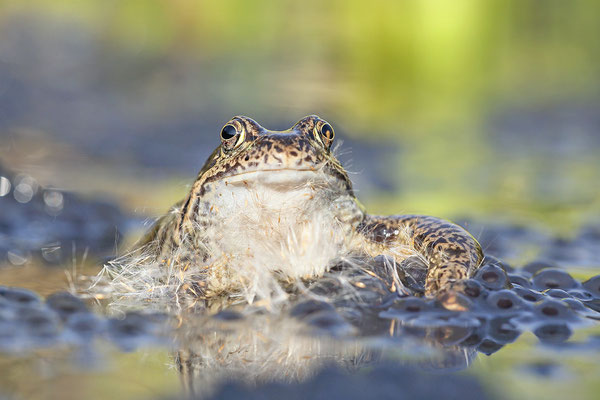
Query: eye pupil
[{"x": 228, "y": 132}]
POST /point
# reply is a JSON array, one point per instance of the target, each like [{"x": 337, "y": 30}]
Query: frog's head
[{"x": 251, "y": 154}]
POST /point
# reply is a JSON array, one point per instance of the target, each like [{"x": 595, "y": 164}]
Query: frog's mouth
[{"x": 280, "y": 178}]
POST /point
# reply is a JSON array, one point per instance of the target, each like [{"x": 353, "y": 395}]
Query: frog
[{"x": 275, "y": 192}]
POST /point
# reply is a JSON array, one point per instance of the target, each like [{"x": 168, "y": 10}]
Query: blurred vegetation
[
  {"x": 431, "y": 75},
  {"x": 374, "y": 63}
]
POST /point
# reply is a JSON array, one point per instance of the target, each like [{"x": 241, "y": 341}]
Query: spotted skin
[{"x": 451, "y": 253}]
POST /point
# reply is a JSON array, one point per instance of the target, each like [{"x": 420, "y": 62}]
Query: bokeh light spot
[
  {"x": 25, "y": 188},
  {"x": 23, "y": 193},
  {"x": 4, "y": 186},
  {"x": 54, "y": 201},
  {"x": 17, "y": 257}
]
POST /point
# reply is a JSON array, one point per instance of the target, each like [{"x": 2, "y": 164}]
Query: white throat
[{"x": 273, "y": 229}]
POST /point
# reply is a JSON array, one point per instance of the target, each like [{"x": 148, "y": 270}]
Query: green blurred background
[{"x": 452, "y": 108}]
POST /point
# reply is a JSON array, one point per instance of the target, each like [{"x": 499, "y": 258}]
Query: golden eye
[
  {"x": 231, "y": 137},
  {"x": 326, "y": 134}
]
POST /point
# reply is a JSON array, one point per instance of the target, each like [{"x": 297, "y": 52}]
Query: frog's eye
[
  {"x": 326, "y": 134},
  {"x": 231, "y": 137},
  {"x": 228, "y": 132}
]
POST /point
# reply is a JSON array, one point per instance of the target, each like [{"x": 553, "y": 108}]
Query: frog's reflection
[{"x": 292, "y": 347}]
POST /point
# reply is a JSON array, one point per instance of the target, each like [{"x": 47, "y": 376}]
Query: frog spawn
[
  {"x": 347, "y": 302},
  {"x": 28, "y": 322},
  {"x": 549, "y": 303},
  {"x": 351, "y": 301},
  {"x": 494, "y": 309}
]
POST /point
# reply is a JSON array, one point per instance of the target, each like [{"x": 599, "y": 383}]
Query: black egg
[
  {"x": 575, "y": 305},
  {"x": 85, "y": 325},
  {"x": 474, "y": 289},
  {"x": 65, "y": 304},
  {"x": 409, "y": 305},
  {"x": 553, "y": 279},
  {"x": 520, "y": 280},
  {"x": 39, "y": 323},
  {"x": 593, "y": 285},
  {"x": 328, "y": 321},
  {"x": 450, "y": 335},
  {"x": 133, "y": 325},
  {"x": 581, "y": 294},
  {"x": 535, "y": 266},
  {"x": 489, "y": 260},
  {"x": 502, "y": 330},
  {"x": 553, "y": 309},
  {"x": 17, "y": 296},
  {"x": 528, "y": 294},
  {"x": 474, "y": 339},
  {"x": 557, "y": 293},
  {"x": 553, "y": 333},
  {"x": 505, "y": 300},
  {"x": 492, "y": 277},
  {"x": 489, "y": 347},
  {"x": 309, "y": 307},
  {"x": 228, "y": 315},
  {"x": 593, "y": 304}
]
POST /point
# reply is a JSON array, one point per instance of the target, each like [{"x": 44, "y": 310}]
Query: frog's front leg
[{"x": 452, "y": 254}]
